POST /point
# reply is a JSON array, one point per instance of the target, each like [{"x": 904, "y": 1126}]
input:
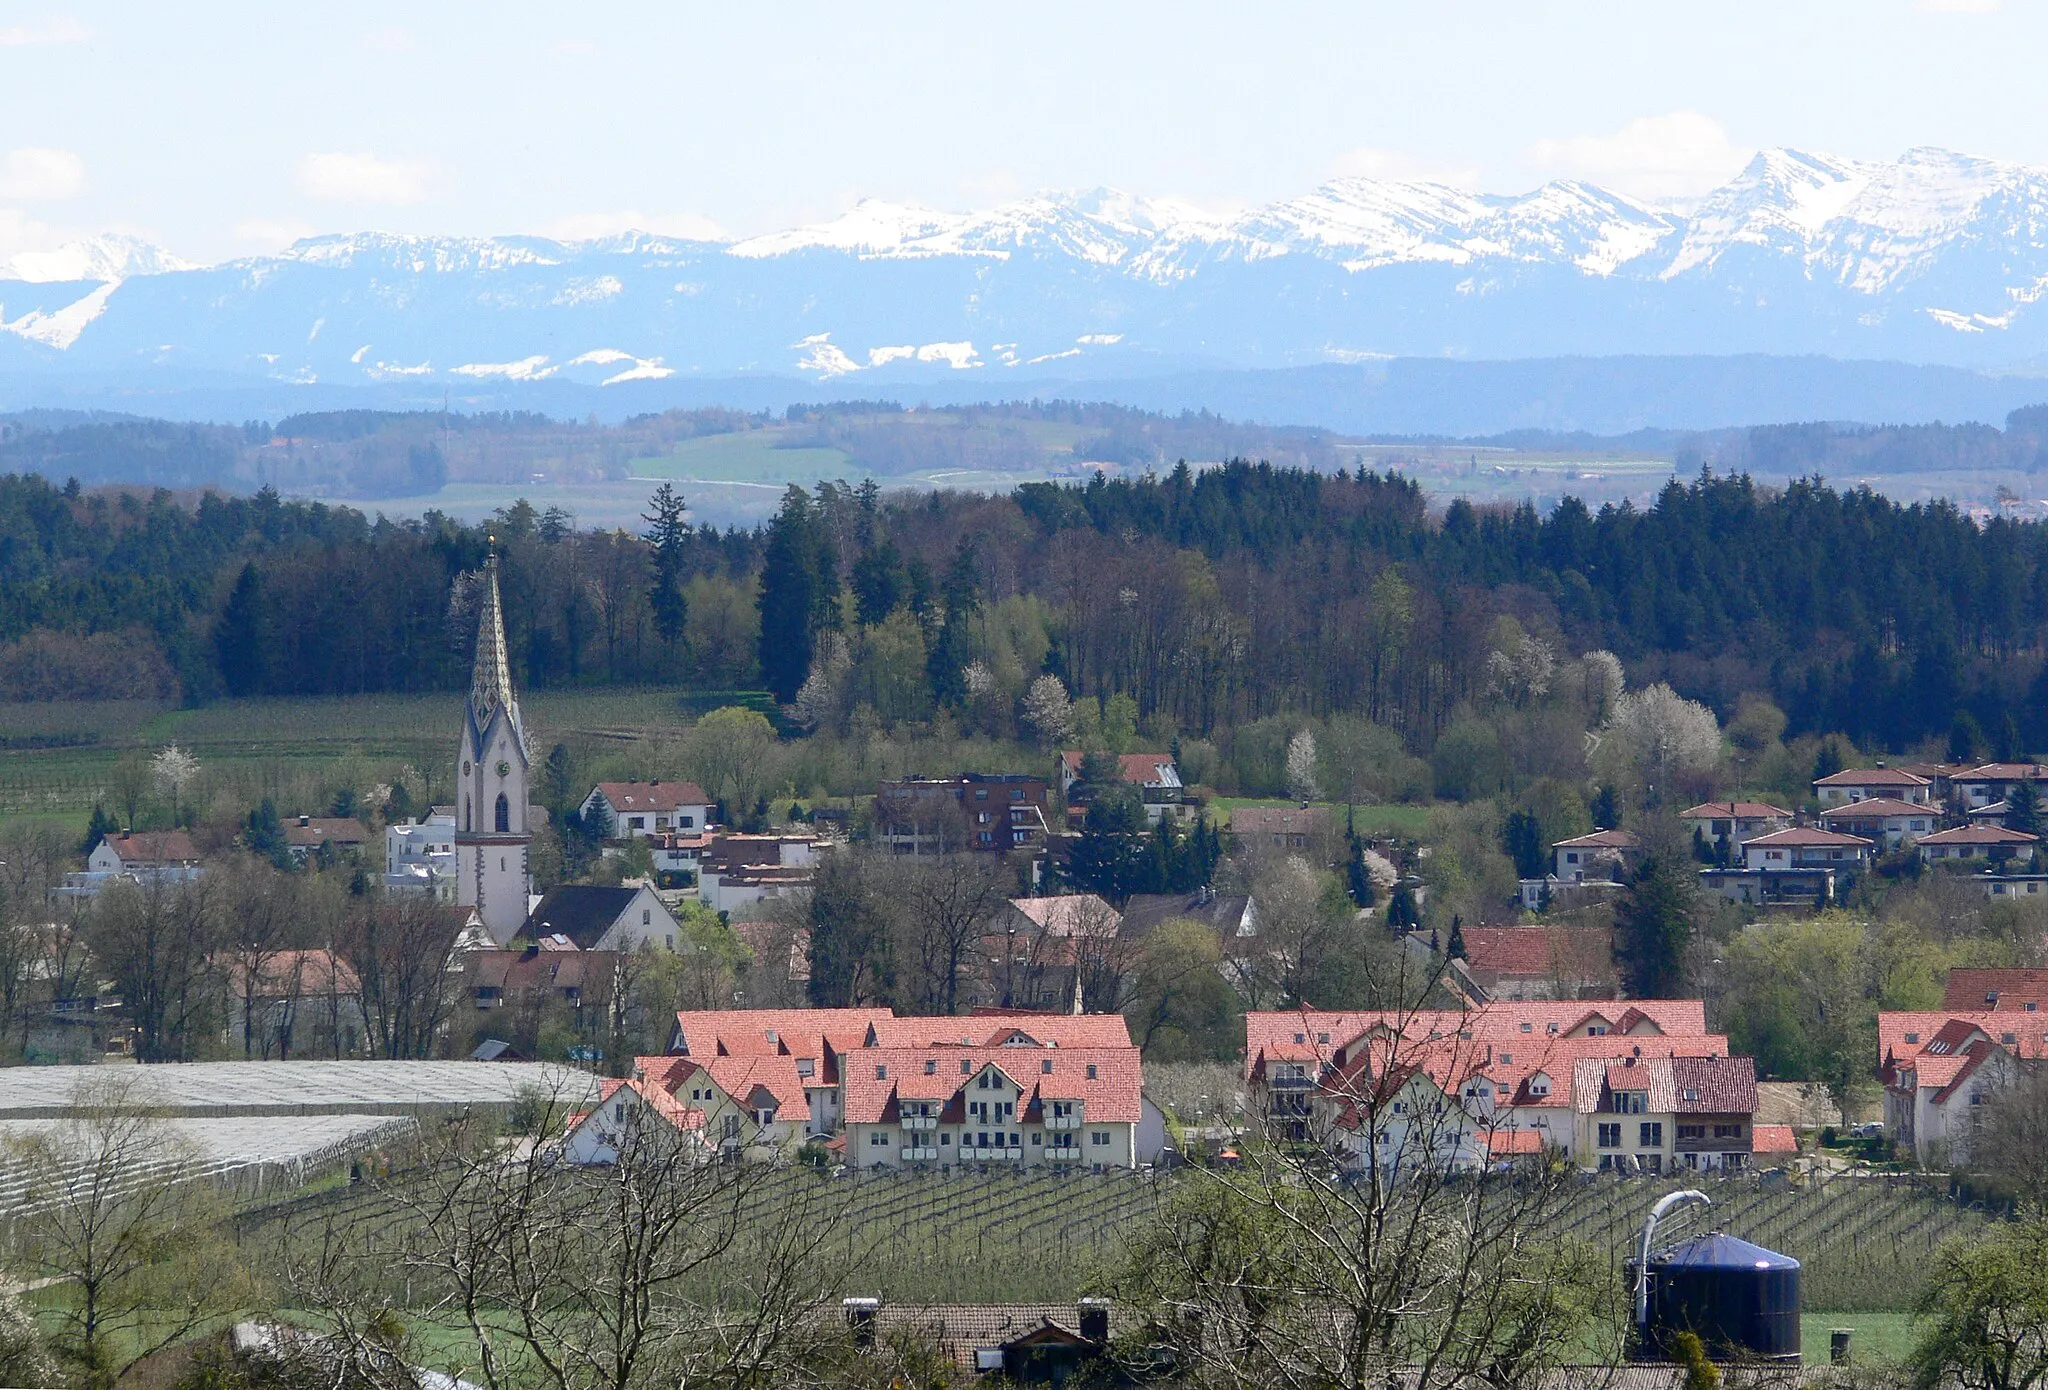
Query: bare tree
[
  {"x": 111, "y": 1210},
  {"x": 946, "y": 904},
  {"x": 399, "y": 948},
  {"x": 261, "y": 922},
  {"x": 661, "y": 1269},
  {"x": 155, "y": 940},
  {"x": 2012, "y": 1145}
]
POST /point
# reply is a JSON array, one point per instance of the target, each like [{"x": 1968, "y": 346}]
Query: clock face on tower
[{"x": 504, "y": 768}]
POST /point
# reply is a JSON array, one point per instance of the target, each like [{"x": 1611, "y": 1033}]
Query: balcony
[
  {"x": 1072, "y": 1121},
  {"x": 919, "y": 1121},
  {"x": 1289, "y": 1083},
  {"x": 1062, "y": 1153},
  {"x": 920, "y": 1155},
  {"x": 971, "y": 1154}
]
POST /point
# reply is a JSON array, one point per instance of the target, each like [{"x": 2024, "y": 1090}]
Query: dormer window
[
  {"x": 1912, "y": 1037},
  {"x": 1301, "y": 1037},
  {"x": 1091, "y": 1071},
  {"x": 1322, "y": 1037},
  {"x": 881, "y": 1071},
  {"x": 931, "y": 1068},
  {"x": 1528, "y": 1027},
  {"x": 1045, "y": 1067}
]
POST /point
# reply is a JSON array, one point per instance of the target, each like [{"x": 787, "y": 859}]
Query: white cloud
[
  {"x": 1371, "y": 162},
  {"x": 588, "y": 226},
  {"x": 1676, "y": 155},
  {"x": 363, "y": 178},
  {"x": 262, "y": 235},
  {"x": 50, "y": 31},
  {"x": 41, "y": 176}
]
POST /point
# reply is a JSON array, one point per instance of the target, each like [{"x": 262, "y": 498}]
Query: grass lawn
[
  {"x": 1879, "y": 1337},
  {"x": 746, "y": 457}
]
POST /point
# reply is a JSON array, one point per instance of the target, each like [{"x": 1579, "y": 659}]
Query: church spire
[{"x": 490, "y": 684}]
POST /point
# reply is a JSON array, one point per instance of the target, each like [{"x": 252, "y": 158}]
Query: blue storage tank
[{"x": 1740, "y": 1300}]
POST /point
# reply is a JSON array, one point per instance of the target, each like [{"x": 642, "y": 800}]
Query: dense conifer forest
[{"x": 1208, "y": 598}]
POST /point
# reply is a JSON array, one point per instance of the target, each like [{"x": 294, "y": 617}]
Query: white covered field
[{"x": 290, "y": 1088}]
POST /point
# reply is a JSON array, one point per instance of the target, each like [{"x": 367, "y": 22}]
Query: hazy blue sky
[{"x": 220, "y": 128}]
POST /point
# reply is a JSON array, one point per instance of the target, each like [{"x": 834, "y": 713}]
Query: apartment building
[
  {"x": 996, "y": 1087},
  {"x": 998, "y": 813},
  {"x": 1941, "y": 1067},
  {"x": 1664, "y": 1114}
]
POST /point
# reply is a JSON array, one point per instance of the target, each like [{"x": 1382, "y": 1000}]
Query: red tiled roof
[
  {"x": 739, "y": 1077},
  {"x": 155, "y": 847},
  {"x": 1139, "y": 769},
  {"x": 1600, "y": 839},
  {"x": 1949, "y": 1030},
  {"x": 292, "y": 975},
  {"x": 1069, "y": 914},
  {"x": 1279, "y": 820},
  {"x": 1717, "y": 1085},
  {"x": 2002, "y": 772},
  {"x": 1316, "y": 1035},
  {"x": 1538, "y": 952},
  {"x": 1871, "y": 777},
  {"x": 1805, "y": 835},
  {"x": 1734, "y": 810},
  {"x": 652, "y": 796},
  {"x": 874, "y": 1077},
  {"x": 708, "y": 1033},
  {"x": 1773, "y": 1139},
  {"x": 1502, "y": 1143},
  {"x": 1980, "y": 835},
  {"x": 1998, "y": 988},
  {"x": 995, "y": 1029},
  {"x": 326, "y": 830},
  {"x": 1876, "y": 807},
  {"x": 661, "y": 1102}
]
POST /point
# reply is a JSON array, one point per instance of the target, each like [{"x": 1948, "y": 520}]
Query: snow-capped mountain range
[{"x": 1934, "y": 258}]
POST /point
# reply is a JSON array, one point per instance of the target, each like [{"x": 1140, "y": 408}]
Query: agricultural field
[{"x": 58, "y": 759}]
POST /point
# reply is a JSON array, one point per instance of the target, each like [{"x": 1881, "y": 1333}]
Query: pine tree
[
  {"x": 1652, "y": 927},
  {"x": 238, "y": 637},
  {"x": 799, "y": 593},
  {"x": 1455, "y": 948},
  {"x": 1357, "y": 878},
  {"x": 1606, "y": 809},
  {"x": 1401, "y": 913},
  {"x": 667, "y": 533},
  {"x": 264, "y": 835},
  {"x": 953, "y": 646},
  {"x": 2023, "y": 807},
  {"x": 101, "y": 826}
]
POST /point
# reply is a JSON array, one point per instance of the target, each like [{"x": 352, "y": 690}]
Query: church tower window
[{"x": 504, "y": 815}]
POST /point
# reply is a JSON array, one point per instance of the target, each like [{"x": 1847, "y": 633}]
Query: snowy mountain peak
[{"x": 102, "y": 258}]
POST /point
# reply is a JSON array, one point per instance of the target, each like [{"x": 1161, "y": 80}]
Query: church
[{"x": 493, "y": 844}]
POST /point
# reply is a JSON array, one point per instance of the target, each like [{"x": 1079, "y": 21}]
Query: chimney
[
  {"x": 860, "y": 1319},
  {"x": 1095, "y": 1319}
]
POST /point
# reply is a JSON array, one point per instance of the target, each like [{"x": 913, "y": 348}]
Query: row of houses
[
  {"x": 995, "y": 1088},
  {"x": 1941, "y": 1068},
  {"x": 1614, "y": 1086}
]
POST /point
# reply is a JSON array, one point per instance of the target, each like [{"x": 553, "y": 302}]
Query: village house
[
  {"x": 1940, "y": 1068},
  {"x": 1990, "y": 783},
  {"x": 1155, "y": 775},
  {"x": 306, "y": 836},
  {"x": 750, "y": 1101},
  {"x": 1603, "y": 856},
  {"x": 2014, "y": 989},
  {"x": 631, "y": 810},
  {"x": 678, "y": 855},
  {"x": 993, "y": 813},
  {"x": 538, "y": 977},
  {"x": 1803, "y": 866},
  {"x": 736, "y": 871},
  {"x": 1289, "y": 829},
  {"x": 420, "y": 858},
  {"x": 1726, "y": 824},
  {"x": 293, "y": 1003},
  {"x": 1535, "y": 962},
  {"x": 150, "y": 858},
  {"x": 1019, "y": 1343},
  {"x": 1804, "y": 847},
  {"x": 594, "y": 918},
  {"x": 833, "y": 1070},
  {"x": 1658, "y": 1115},
  {"x": 1882, "y": 820},
  {"x": 1862, "y": 784},
  {"x": 1018, "y": 1103},
  {"x": 633, "y": 1112},
  {"x": 1992, "y": 843},
  {"x": 1505, "y": 1068}
]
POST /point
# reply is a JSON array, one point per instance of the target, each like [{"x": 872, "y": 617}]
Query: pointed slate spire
[{"x": 490, "y": 684}]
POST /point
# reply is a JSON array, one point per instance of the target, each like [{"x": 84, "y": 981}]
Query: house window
[
  {"x": 1651, "y": 1135},
  {"x": 1091, "y": 1071},
  {"x": 1610, "y": 1136},
  {"x": 636, "y": 822},
  {"x": 646, "y": 916},
  {"x": 1727, "y": 1131},
  {"x": 1527, "y": 1027},
  {"x": 2009, "y": 1039},
  {"x": 878, "y": 1140},
  {"x": 931, "y": 1068},
  {"x": 1099, "y": 1138},
  {"x": 1686, "y": 1132},
  {"x": 504, "y": 815},
  {"x": 1045, "y": 1067},
  {"x": 1507, "y": 1059},
  {"x": 881, "y": 1071},
  {"x": 669, "y": 939}
]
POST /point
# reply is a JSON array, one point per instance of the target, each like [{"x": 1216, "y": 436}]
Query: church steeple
[
  {"x": 491, "y": 835},
  {"x": 490, "y": 683}
]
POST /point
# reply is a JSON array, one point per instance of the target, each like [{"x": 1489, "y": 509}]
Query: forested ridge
[{"x": 1209, "y": 598}]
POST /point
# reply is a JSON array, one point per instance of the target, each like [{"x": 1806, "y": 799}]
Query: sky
[{"x": 222, "y": 129}]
